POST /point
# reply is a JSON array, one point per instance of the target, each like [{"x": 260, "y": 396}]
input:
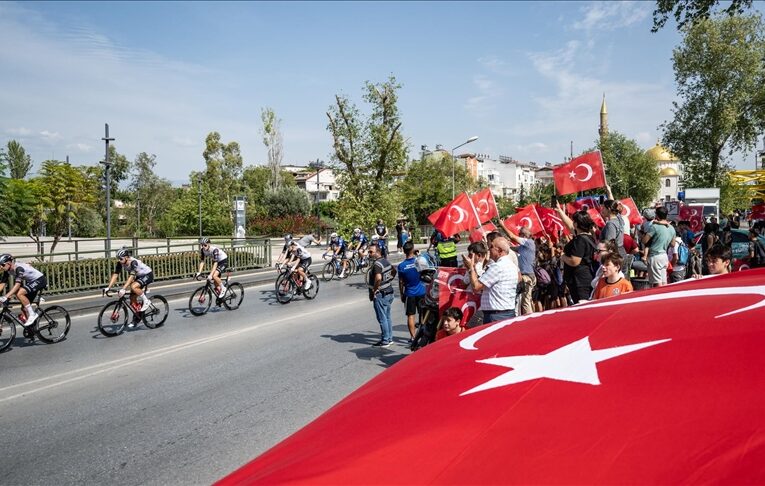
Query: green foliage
[
  {"x": 182, "y": 217},
  {"x": 272, "y": 139},
  {"x": 17, "y": 160},
  {"x": 690, "y": 11},
  {"x": 427, "y": 186},
  {"x": 19, "y": 201},
  {"x": 506, "y": 206},
  {"x": 719, "y": 74},
  {"x": 153, "y": 193},
  {"x": 629, "y": 171},
  {"x": 733, "y": 195},
  {"x": 223, "y": 172},
  {"x": 88, "y": 223},
  {"x": 368, "y": 152},
  {"x": 277, "y": 227},
  {"x": 255, "y": 180},
  {"x": 286, "y": 201}
]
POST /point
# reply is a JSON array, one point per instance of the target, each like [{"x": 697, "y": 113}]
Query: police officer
[
  {"x": 446, "y": 248},
  {"x": 381, "y": 274}
]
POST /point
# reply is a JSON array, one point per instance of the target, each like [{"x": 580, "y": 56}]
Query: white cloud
[
  {"x": 532, "y": 147},
  {"x": 82, "y": 147},
  {"x": 18, "y": 132},
  {"x": 488, "y": 92},
  {"x": 612, "y": 15},
  {"x": 50, "y": 137},
  {"x": 495, "y": 65}
]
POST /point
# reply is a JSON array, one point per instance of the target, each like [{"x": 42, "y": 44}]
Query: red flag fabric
[
  {"x": 526, "y": 216},
  {"x": 485, "y": 205},
  {"x": 596, "y": 217},
  {"x": 452, "y": 292},
  {"x": 551, "y": 222},
  {"x": 478, "y": 234},
  {"x": 693, "y": 214},
  {"x": 631, "y": 211},
  {"x": 582, "y": 203},
  {"x": 580, "y": 174},
  {"x": 456, "y": 216},
  {"x": 758, "y": 212},
  {"x": 595, "y": 393}
]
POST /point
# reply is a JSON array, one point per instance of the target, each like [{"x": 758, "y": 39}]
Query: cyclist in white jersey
[
  {"x": 300, "y": 257},
  {"x": 139, "y": 277},
  {"x": 219, "y": 265},
  {"x": 27, "y": 282}
]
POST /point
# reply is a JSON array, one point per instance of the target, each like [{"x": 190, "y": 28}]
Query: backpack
[
  {"x": 682, "y": 253},
  {"x": 543, "y": 277}
]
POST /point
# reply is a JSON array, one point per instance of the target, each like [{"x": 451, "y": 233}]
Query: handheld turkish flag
[
  {"x": 631, "y": 211},
  {"x": 551, "y": 222},
  {"x": 478, "y": 235},
  {"x": 596, "y": 217},
  {"x": 758, "y": 212},
  {"x": 595, "y": 393},
  {"x": 580, "y": 174},
  {"x": 585, "y": 203},
  {"x": 456, "y": 216},
  {"x": 526, "y": 216},
  {"x": 694, "y": 215},
  {"x": 485, "y": 205},
  {"x": 452, "y": 292}
]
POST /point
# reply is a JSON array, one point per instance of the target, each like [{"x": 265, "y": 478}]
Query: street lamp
[
  {"x": 471, "y": 139},
  {"x": 319, "y": 167},
  {"x": 107, "y": 177}
]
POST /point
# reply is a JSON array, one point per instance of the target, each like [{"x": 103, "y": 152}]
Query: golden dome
[
  {"x": 659, "y": 153},
  {"x": 668, "y": 171}
]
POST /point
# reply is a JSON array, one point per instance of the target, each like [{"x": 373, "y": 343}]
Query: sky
[{"x": 526, "y": 78}]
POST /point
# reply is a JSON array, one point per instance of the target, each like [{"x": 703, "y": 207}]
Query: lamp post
[
  {"x": 471, "y": 139},
  {"x": 107, "y": 175},
  {"x": 199, "y": 195},
  {"x": 319, "y": 167}
]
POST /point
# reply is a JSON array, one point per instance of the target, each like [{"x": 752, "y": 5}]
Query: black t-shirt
[
  {"x": 380, "y": 229},
  {"x": 582, "y": 246}
]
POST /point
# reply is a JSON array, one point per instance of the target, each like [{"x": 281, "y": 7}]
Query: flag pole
[{"x": 475, "y": 212}]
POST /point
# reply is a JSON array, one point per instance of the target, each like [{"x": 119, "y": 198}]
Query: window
[{"x": 667, "y": 183}]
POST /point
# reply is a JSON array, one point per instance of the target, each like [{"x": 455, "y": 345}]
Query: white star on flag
[
  {"x": 572, "y": 175},
  {"x": 575, "y": 362}
]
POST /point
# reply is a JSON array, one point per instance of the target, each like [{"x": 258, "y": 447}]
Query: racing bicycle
[
  {"x": 289, "y": 283},
  {"x": 334, "y": 268},
  {"x": 202, "y": 298},
  {"x": 51, "y": 326},
  {"x": 113, "y": 318}
]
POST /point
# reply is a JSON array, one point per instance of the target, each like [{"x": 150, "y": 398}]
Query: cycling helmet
[
  {"x": 123, "y": 253},
  {"x": 204, "y": 241},
  {"x": 357, "y": 231},
  {"x": 288, "y": 237},
  {"x": 333, "y": 235},
  {"x": 5, "y": 258},
  {"x": 375, "y": 237}
]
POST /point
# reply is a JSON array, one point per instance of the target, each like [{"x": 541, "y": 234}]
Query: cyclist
[
  {"x": 140, "y": 276},
  {"x": 359, "y": 242},
  {"x": 382, "y": 232},
  {"x": 285, "y": 249},
  {"x": 27, "y": 282},
  {"x": 219, "y": 265},
  {"x": 301, "y": 261},
  {"x": 339, "y": 246}
]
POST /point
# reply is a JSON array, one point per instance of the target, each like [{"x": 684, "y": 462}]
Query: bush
[
  {"x": 288, "y": 224},
  {"x": 286, "y": 201}
]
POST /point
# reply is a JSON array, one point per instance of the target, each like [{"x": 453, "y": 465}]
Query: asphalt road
[{"x": 191, "y": 401}]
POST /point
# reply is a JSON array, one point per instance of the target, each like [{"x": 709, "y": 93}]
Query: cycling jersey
[
  {"x": 25, "y": 273},
  {"x": 217, "y": 254},
  {"x": 361, "y": 238},
  {"x": 300, "y": 252},
  {"x": 134, "y": 267},
  {"x": 340, "y": 243}
]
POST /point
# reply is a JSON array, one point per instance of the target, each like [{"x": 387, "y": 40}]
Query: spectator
[
  {"x": 399, "y": 232},
  {"x": 527, "y": 256},
  {"x": 450, "y": 323},
  {"x": 309, "y": 239},
  {"x": 381, "y": 274},
  {"x": 718, "y": 259},
  {"x": 613, "y": 282},
  {"x": 411, "y": 288},
  {"x": 614, "y": 228},
  {"x": 479, "y": 255},
  {"x": 498, "y": 283},
  {"x": 678, "y": 255},
  {"x": 658, "y": 238},
  {"x": 603, "y": 247},
  {"x": 756, "y": 250},
  {"x": 496, "y": 234},
  {"x": 445, "y": 247},
  {"x": 577, "y": 255}
]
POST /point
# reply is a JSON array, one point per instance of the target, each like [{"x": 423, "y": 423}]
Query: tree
[
  {"x": 629, "y": 170},
  {"x": 689, "y": 11},
  {"x": 255, "y": 180},
  {"x": 733, "y": 195},
  {"x": 17, "y": 160},
  {"x": 427, "y": 185},
  {"x": 287, "y": 201},
  {"x": 153, "y": 193},
  {"x": 721, "y": 84},
  {"x": 272, "y": 139},
  {"x": 368, "y": 152},
  {"x": 223, "y": 173}
]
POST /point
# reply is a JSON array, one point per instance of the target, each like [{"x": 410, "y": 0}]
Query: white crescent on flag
[
  {"x": 589, "y": 172},
  {"x": 627, "y": 210},
  {"x": 468, "y": 305},
  {"x": 461, "y": 214},
  {"x": 483, "y": 206},
  {"x": 458, "y": 278},
  {"x": 526, "y": 218}
]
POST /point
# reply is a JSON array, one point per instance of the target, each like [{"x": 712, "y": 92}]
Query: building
[
  {"x": 320, "y": 185},
  {"x": 669, "y": 173},
  {"x": 507, "y": 177}
]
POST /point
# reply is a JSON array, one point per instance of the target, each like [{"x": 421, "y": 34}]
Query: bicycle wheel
[
  {"x": 200, "y": 301},
  {"x": 285, "y": 289},
  {"x": 311, "y": 293},
  {"x": 113, "y": 318},
  {"x": 53, "y": 324},
  {"x": 233, "y": 296},
  {"x": 7, "y": 332},
  {"x": 351, "y": 267},
  {"x": 157, "y": 313},
  {"x": 328, "y": 272}
]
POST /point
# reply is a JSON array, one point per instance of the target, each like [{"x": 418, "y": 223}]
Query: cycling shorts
[
  {"x": 145, "y": 280},
  {"x": 304, "y": 264},
  {"x": 34, "y": 287},
  {"x": 222, "y": 266}
]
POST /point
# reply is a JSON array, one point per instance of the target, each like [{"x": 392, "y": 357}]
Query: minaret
[{"x": 603, "y": 131}]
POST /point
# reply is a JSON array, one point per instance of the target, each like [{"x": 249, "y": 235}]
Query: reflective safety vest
[{"x": 446, "y": 249}]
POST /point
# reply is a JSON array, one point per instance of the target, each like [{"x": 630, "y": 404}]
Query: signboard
[
  {"x": 239, "y": 217},
  {"x": 673, "y": 209}
]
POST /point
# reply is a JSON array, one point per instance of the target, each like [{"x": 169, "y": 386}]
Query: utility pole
[
  {"x": 138, "y": 206},
  {"x": 69, "y": 209},
  {"x": 572, "y": 149},
  {"x": 199, "y": 192},
  {"x": 107, "y": 174}
]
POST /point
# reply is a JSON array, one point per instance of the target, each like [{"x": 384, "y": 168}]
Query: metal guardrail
[{"x": 93, "y": 273}]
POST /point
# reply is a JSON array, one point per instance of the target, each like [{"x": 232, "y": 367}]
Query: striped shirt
[{"x": 500, "y": 281}]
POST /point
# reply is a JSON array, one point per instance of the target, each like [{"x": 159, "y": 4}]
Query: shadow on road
[{"x": 386, "y": 356}]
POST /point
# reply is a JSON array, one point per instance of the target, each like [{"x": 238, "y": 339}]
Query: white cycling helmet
[
  {"x": 357, "y": 231},
  {"x": 375, "y": 237},
  {"x": 333, "y": 235}
]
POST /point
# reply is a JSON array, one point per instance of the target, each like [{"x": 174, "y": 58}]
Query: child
[
  {"x": 451, "y": 323},
  {"x": 613, "y": 281}
]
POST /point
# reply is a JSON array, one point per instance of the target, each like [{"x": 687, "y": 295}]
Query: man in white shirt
[{"x": 498, "y": 284}]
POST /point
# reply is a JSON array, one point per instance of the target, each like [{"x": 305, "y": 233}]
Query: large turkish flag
[
  {"x": 453, "y": 292},
  {"x": 485, "y": 205},
  {"x": 551, "y": 222},
  {"x": 458, "y": 215},
  {"x": 596, "y": 217},
  {"x": 526, "y": 216},
  {"x": 663, "y": 386},
  {"x": 580, "y": 174},
  {"x": 631, "y": 211}
]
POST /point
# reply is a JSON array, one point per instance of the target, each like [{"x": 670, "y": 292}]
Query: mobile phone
[
  {"x": 554, "y": 200},
  {"x": 601, "y": 199}
]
